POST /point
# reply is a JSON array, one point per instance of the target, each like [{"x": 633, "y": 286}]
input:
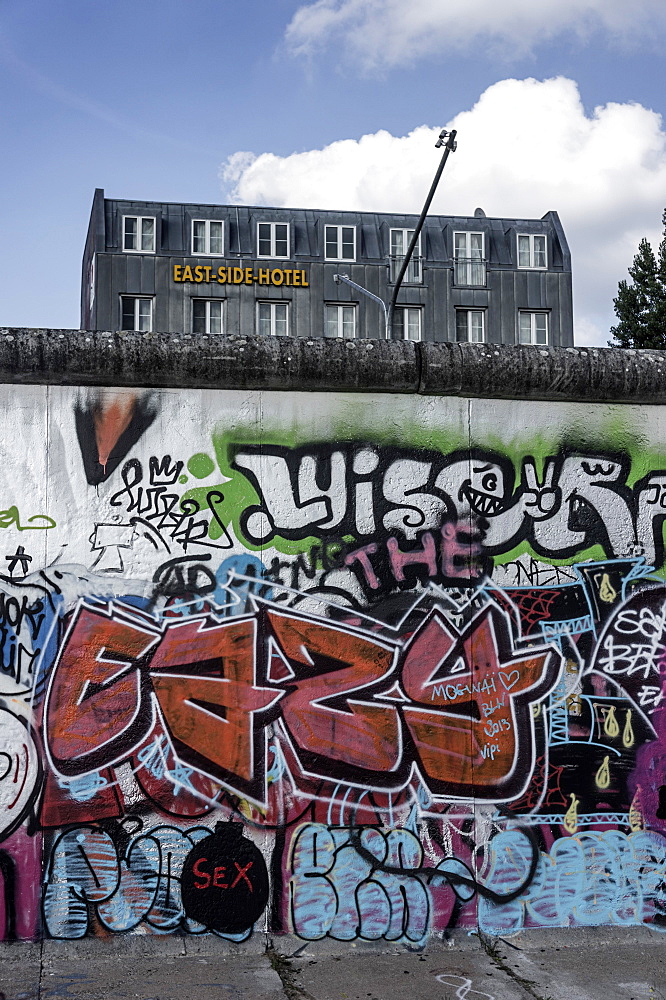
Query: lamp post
[
  {"x": 337, "y": 278},
  {"x": 448, "y": 140}
]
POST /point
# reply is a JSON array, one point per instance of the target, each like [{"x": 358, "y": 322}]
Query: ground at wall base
[{"x": 599, "y": 964}]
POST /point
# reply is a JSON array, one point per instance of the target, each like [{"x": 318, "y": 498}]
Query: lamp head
[{"x": 451, "y": 136}]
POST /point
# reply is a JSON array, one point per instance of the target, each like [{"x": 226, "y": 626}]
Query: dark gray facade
[{"x": 272, "y": 271}]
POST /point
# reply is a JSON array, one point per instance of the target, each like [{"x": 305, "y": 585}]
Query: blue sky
[{"x": 150, "y": 101}]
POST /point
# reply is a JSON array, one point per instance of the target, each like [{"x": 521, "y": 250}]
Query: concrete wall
[{"x": 404, "y": 641}]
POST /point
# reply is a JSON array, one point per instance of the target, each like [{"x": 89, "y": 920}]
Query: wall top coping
[{"x": 577, "y": 374}]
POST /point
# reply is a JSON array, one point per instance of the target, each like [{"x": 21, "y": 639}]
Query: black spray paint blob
[{"x": 224, "y": 883}]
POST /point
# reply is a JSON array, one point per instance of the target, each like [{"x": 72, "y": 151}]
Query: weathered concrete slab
[
  {"x": 79, "y": 357},
  {"x": 170, "y": 978},
  {"x": 591, "y": 374},
  {"x": 20, "y": 970},
  {"x": 75, "y": 357},
  {"x": 610, "y": 963},
  {"x": 443, "y": 974},
  {"x": 598, "y": 964},
  {"x": 166, "y": 976}
]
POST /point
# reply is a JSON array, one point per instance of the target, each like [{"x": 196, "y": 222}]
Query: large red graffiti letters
[
  {"x": 356, "y": 708},
  {"x": 204, "y": 679},
  {"x": 93, "y": 709},
  {"x": 481, "y": 734},
  {"x": 319, "y": 713}
]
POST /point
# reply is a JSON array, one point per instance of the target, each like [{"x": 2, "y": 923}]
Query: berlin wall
[{"x": 356, "y": 641}]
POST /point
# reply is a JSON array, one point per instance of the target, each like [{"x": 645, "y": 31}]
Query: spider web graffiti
[
  {"x": 534, "y": 606},
  {"x": 554, "y": 795}
]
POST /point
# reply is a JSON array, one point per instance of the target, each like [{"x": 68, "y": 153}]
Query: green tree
[{"x": 640, "y": 305}]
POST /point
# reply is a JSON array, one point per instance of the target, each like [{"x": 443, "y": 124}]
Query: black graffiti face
[{"x": 224, "y": 884}]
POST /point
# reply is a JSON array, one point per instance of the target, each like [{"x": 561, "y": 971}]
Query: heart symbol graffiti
[{"x": 509, "y": 680}]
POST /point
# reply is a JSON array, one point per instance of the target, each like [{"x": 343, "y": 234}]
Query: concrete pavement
[{"x": 599, "y": 964}]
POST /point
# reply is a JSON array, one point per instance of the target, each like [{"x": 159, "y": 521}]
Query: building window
[
  {"x": 207, "y": 238},
  {"x": 470, "y": 325},
  {"x": 340, "y": 242},
  {"x": 273, "y": 319},
  {"x": 139, "y": 233},
  {"x": 340, "y": 321},
  {"x": 532, "y": 251},
  {"x": 400, "y": 240},
  {"x": 533, "y": 327},
  {"x": 136, "y": 313},
  {"x": 207, "y": 315},
  {"x": 407, "y": 323},
  {"x": 470, "y": 263},
  {"x": 273, "y": 239}
]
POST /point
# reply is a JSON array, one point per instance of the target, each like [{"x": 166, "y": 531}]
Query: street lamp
[
  {"x": 337, "y": 278},
  {"x": 448, "y": 140}
]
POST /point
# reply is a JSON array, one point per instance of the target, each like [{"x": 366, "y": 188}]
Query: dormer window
[
  {"x": 207, "y": 238},
  {"x": 273, "y": 239},
  {"x": 532, "y": 251},
  {"x": 340, "y": 242},
  {"x": 139, "y": 233}
]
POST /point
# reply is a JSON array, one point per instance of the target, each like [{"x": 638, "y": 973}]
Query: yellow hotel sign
[{"x": 223, "y": 275}]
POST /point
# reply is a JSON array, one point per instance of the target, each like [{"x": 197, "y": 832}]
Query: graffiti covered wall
[{"x": 349, "y": 666}]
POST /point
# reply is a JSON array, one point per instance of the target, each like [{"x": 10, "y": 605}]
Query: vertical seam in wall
[
  {"x": 47, "y": 409},
  {"x": 474, "y": 856},
  {"x": 48, "y": 463},
  {"x": 262, "y": 833},
  {"x": 419, "y": 366}
]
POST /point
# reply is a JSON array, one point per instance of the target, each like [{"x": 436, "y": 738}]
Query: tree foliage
[{"x": 640, "y": 305}]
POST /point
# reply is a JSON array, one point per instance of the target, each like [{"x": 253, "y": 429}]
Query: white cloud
[
  {"x": 526, "y": 147},
  {"x": 377, "y": 34}
]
